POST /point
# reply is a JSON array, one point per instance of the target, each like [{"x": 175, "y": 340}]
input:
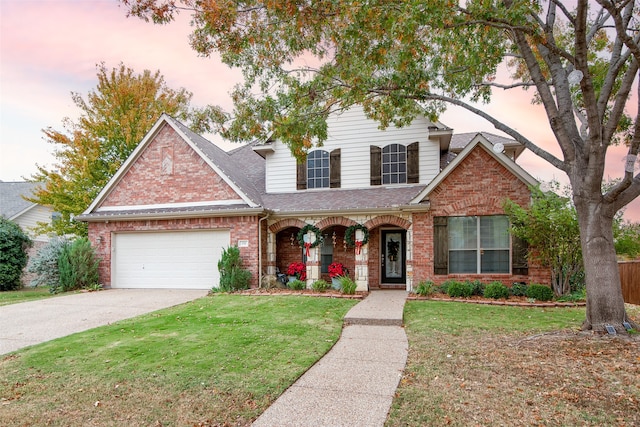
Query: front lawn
[
  {"x": 24, "y": 295},
  {"x": 219, "y": 360},
  {"x": 496, "y": 365}
]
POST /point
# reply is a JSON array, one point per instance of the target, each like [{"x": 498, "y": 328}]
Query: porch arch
[
  {"x": 387, "y": 219},
  {"x": 336, "y": 220},
  {"x": 286, "y": 223}
]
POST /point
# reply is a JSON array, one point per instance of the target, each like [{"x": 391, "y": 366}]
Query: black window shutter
[
  {"x": 519, "y": 251},
  {"x": 413, "y": 164},
  {"x": 334, "y": 168},
  {"x": 376, "y": 165},
  {"x": 301, "y": 175},
  {"x": 440, "y": 245}
]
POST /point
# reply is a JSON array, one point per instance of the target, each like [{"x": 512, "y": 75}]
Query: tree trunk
[{"x": 605, "y": 304}]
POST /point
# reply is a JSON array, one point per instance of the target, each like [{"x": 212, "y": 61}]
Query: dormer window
[{"x": 318, "y": 169}]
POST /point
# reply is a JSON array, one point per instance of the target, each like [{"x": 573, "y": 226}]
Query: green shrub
[
  {"x": 13, "y": 254},
  {"x": 575, "y": 296},
  {"x": 348, "y": 285},
  {"x": 320, "y": 285},
  {"x": 459, "y": 289},
  {"x": 519, "y": 289},
  {"x": 77, "y": 266},
  {"x": 477, "y": 287},
  {"x": 496, "y": 290},
  {"x": 425, "y": 288},
  {"x": 540, "y": 292},
  {"x": 444, "y": 286},
  {"x": 232, "y": 276},
  {"x": 44, "y": 265},
  {"x": 298, "y": 285}
]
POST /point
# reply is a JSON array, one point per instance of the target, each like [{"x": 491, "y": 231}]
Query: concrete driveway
[{"x": 34, "y": 322}]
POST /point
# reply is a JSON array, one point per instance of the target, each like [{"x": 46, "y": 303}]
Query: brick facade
[
  {"x": 184, "y": 178},
  {"x": 170, "y": 171},
  {"x": 478, "y": 186}
]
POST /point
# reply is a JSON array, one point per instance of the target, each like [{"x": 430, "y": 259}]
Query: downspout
[{"x": 260, "y": 249}]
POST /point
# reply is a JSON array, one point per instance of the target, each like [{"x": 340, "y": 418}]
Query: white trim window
[
  {"x": 318, "y": 169},
  {"x": 479, "y": 244},
  {"x": 394, "y": 164}
]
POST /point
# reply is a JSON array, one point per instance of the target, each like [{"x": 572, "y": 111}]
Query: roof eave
[{"x": 169, "y": 215}]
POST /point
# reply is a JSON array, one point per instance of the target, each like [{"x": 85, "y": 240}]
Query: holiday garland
[
  {"x": 315, "y": 230},
  {"x": 351, "y": 232}
]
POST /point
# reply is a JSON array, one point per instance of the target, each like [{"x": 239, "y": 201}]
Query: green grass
[
  {"x": 215, "y": 361},
  {"x": 24, "y": 295},
  {"x": 499, "y": 365}
]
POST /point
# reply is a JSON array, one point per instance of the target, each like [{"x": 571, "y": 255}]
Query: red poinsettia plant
[
  {"x": 298, "y": 269},
  {"x": 336, "y": 269}
]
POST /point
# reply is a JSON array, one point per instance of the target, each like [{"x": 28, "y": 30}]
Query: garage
[{"x": 171, "y": 259}]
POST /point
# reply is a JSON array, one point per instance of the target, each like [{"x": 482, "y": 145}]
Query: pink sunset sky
[{"x": 50, "y": 48}]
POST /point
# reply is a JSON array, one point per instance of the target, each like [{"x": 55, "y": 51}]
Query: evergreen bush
[
  {"x": 14, "y": 244},
  {"x": 459, "y": 289},
  {"x": 519, "y": 289},
  {"x": 232, "y": 276},
  {"x": 425, "y": 288},
  {"x": 44, "y": 265},
  {"x": 496, "y": 290},
  {"x": 540, "y": 292},
  {"x": 77, "y": 266}
]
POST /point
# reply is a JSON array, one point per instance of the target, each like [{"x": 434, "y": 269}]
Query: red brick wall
[
  {"x": 240, "y": 228},
  {"x": 190, "y": 180},
  {"x": 477, "y": 186}
]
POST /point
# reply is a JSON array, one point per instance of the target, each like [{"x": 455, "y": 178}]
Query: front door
[{"x": 393, "y": 251}]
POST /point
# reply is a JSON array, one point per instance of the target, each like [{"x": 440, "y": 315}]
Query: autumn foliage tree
[
  {"x": 114, "y": 119},
  {"x": 302, "y": 60}
]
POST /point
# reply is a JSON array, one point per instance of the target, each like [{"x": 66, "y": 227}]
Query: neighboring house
[
  {"x": 395, "y": 206},
  {"x": 26, "y": 214}
]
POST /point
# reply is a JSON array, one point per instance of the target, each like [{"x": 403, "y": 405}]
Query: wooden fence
[{"x": 630, "y": 280}]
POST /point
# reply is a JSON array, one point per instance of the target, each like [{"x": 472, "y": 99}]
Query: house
[
  {"x": 395, "y": 206},
  {"x": 14, "y": 207}
]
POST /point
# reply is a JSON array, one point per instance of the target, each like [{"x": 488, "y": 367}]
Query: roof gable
[
  {"x": 174, "y": 167},
  {"x": 12, "y": 202},
  {"x": 479, "y": 142}
]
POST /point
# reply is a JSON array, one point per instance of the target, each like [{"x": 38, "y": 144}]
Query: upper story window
[
  {"x": 394, "y": 164},
  {"x": 321, "y": 169},
  {"x": 318, "y": 169}
]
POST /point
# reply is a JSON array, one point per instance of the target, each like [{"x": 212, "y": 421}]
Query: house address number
[{"x": 243, "y": 243}]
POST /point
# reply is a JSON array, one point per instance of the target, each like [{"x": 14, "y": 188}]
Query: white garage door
[{"x": 176, "y": 259}]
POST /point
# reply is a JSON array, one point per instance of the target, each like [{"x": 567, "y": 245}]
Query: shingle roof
[
  {"x": 342, "y": 199},
  {"x": 11, "y": 200},
  {"x": 461, "y": 140},
  {"x": 229, "y": 165}
]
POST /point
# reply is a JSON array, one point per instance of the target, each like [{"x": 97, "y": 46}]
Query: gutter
[{"x": 168, "y": 215}]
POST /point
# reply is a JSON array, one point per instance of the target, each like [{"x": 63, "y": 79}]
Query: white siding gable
[
  {"x": 30, "y": 218},
  {"x": 353, "y": 133}
]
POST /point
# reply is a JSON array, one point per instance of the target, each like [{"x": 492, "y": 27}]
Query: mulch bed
[{"x": 332, "y": 293}]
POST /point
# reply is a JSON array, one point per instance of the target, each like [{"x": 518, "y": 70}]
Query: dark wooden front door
[{"x": 392, "y": 262}]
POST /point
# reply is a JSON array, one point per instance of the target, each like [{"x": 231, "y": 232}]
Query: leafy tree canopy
[
  {"x": 115, "y": 117},
  {"x": 550, "y": 226}
]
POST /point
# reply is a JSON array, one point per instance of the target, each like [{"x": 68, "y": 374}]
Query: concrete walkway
[
  {"x": 354, "y": 383},
  {"x": 33, "y": 322}
]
